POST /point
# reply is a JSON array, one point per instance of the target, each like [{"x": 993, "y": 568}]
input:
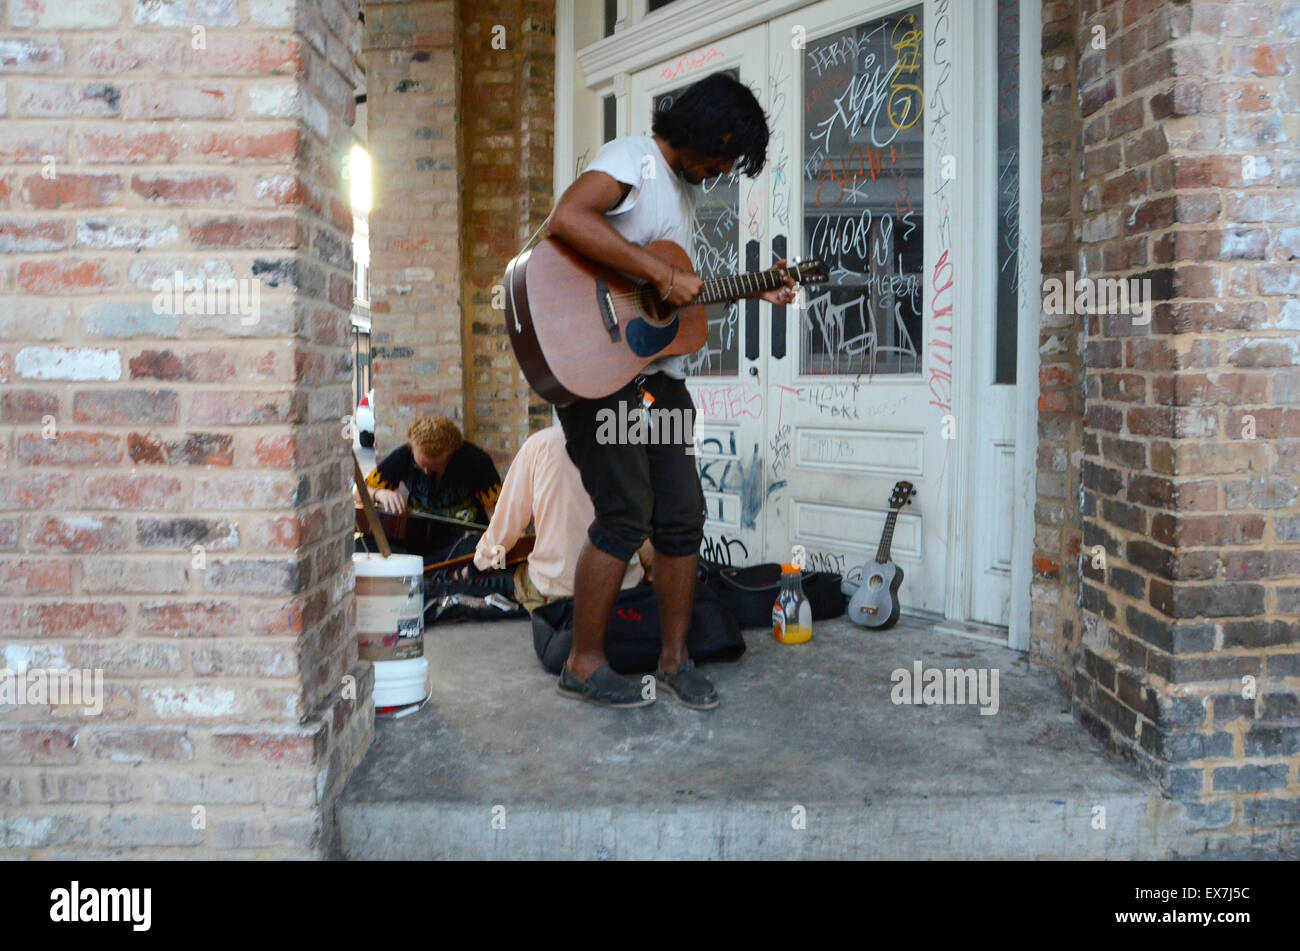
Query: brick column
[
  {"x": 1054, "y": 619},
  {"x": 1190, "y": 653},
  {"x": 174, "y": 482},
  {"x": 412, "y": 74},
  {"x": 461, "y": 106},
  {"x": 508, "y": 63}
]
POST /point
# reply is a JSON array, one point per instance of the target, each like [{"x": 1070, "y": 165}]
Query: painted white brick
[
  {"x": 23, "y": 657},
  {"x": 273, "y": 100},
  {"x": 143, "y": 274},
  {"x": 186, "y": 13},
  {"x": 103, "y": 233},
  {"x": 271, "y": 12},
  {"x": 65, "y": 14},
  {"x": 317, "y": 116},
  {"x": 1289, "y": 319},
  {"x": 192, "y": 701},
  {"x": 64, "y": 363}
]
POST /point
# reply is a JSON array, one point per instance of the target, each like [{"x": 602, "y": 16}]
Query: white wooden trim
[
  {"x": 1031, "y": 265},
  {"x": 565, "y": 65},
  {"x": 675, "y": 29},
  {"x": 965, "y": 301}
]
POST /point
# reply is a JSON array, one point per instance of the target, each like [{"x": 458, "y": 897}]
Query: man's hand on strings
[
  {"x": 781, "y": 296},
  {"x": 678, "y": 287}
]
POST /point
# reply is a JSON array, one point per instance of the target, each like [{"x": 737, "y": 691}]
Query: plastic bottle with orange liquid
[{"x": 791, "y": 614}]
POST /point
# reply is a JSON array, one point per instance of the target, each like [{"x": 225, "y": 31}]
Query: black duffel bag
[
  {"x": 634, "y": 636},
  {"x": 750, "y": 592}
]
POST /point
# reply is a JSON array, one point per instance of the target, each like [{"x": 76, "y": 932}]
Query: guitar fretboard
[
  {"x": 886, "y": 538},
  {"x": 742, "y": 285}
]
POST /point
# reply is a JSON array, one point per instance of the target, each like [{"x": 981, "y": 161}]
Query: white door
[
  {"x": 730, "y": 236},
  {"x": 1005, "y": 296},
  {"x": 809, "y": 415},
  {"x": 856, "y": 382}
]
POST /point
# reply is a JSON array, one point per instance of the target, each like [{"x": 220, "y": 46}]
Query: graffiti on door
[
  {"x": 862, "y": 161},
  {"x": 735, "y": 482}
]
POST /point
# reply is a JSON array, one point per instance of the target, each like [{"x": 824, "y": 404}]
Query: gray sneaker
[
  {"x": 690, "y": 687},
  {"x": 604, "y": 687}
]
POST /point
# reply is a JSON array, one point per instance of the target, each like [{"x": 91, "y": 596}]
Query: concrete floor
[{"x": 806, "y": 730}]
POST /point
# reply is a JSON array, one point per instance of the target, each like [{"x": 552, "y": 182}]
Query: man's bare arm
[{"x": 579, "y": 221}]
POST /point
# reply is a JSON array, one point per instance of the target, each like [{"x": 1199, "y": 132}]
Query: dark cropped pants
[{"x": 648, "y": 490}]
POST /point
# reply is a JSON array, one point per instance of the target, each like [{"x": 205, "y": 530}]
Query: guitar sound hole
[
  {"x": 875, "y": 581},
  {"x": 649, "y": 304}
]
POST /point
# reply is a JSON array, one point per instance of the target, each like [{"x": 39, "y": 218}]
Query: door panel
[
  {"x": 850, "y": 411},
  {"x": 730, "y": 229}
]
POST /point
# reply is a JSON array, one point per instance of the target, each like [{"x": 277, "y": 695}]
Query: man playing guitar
[{"x": 637, "y": 190}]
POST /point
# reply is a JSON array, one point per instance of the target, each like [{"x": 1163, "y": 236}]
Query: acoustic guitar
[
  {"x": 875, "y": 603},
  {"x": 413, "y": 528},
  {"x": 583, "y": 331}
]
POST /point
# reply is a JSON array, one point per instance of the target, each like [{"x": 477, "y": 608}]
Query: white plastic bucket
[{"x": 390, "y": 626}]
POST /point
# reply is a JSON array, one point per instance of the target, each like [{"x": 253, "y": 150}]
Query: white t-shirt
[{"x": 660, "y": 207}]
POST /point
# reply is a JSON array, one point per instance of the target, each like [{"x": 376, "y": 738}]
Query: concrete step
[
  {"x": 989, "y": 827},
  {"x": 500, "y": 766}
]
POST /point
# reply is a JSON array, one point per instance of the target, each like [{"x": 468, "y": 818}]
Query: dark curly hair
[{"x": 702, "y": 116}]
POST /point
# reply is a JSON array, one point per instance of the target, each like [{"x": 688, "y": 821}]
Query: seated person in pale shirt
[{"x": 543, "y": 486}]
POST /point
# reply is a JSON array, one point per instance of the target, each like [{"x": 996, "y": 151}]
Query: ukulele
[
  {"x": 875, "y": 603},
  {"x": 584, "y": 331}
]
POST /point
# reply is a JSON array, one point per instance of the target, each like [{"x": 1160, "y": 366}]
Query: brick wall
[
  {"x": 412, "y": 70},
  {"x": 507, "y": 148},
  {"x": 461, "y": 100},
  {"x": 1189, "y": 662},
  {"x": 1054, "y": 615},
  {"x": 174, "y": 505}
]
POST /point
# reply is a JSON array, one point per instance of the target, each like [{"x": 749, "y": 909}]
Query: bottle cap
[{"x": 790, "y": 569}]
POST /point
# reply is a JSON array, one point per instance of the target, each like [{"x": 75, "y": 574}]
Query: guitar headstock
[
  {"x": 807, "y": 272},
  {"x": 902, "y": 495}
]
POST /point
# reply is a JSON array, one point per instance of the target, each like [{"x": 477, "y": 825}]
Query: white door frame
[
  {"x": 687, "y": 24},
  {"x": 1031, "y": 271}
]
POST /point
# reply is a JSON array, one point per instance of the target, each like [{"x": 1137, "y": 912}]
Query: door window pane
[
  {"x": 1008, "y": 237},
  {"x": 609, "y": 118},
  {"x": 717, "y": 254},
  {"x": 863, "y": 195}
]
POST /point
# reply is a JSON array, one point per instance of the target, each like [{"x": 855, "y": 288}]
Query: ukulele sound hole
[{"x": 875, "y": 581}]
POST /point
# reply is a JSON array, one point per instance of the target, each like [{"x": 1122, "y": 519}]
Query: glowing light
[{"x": 357, "y": 171}]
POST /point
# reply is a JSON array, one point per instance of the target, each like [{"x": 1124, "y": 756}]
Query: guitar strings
[{"x": 639, "y": 294}]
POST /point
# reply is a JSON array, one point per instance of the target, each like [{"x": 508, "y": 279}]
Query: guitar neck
[
  {"x": 886, "y": 538},
  {"x": 742, "y": 285}
]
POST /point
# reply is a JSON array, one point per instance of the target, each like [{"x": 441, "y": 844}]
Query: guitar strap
[
  {"x": 533, "y": 240},
  {"x": 510, "y": 286}
]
